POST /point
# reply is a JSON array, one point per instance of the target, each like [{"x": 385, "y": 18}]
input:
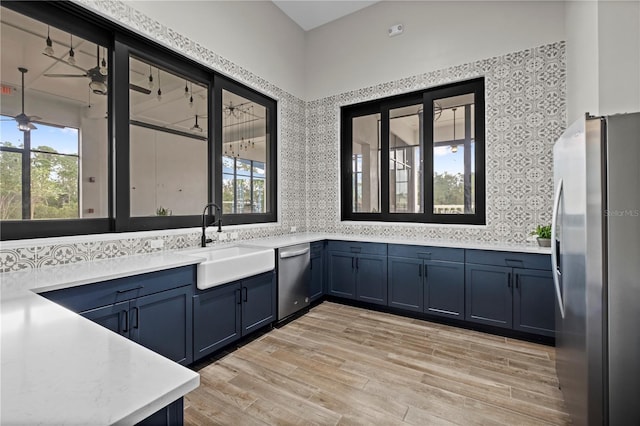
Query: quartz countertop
[
  {"x": 60, "y": 368},
  {"x": 299, "y": 238}
]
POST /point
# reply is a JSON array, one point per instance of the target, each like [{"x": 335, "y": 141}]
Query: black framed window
[
  {"x": 148, "y": 126},
  {"x": 417, "y": 157},
  {"x": 246, "y": 152}
]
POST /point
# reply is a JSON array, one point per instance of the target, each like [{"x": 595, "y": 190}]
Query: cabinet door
[
  {"x": 534, "y": 302},
  {"x": 216, "y": 319},
  {"x": 316, "y": 289},
  {"x": 114, "y": 317},
  {"x": 162, "y": 322},
  {"x": 258, "y": 302},
  {"x": 341, "y": 279},
  {"x": 444, "y": 288},
  {"x": 405, "y": 283},
  {"x": 488, "y": 295},
  {"x": 371, "y": 278}
]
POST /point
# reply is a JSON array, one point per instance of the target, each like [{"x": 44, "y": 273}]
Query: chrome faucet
[{"x": 204, "y": 240}]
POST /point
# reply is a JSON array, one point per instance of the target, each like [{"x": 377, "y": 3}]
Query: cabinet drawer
[
  {"x": 427, "y": 253},
  {"x": 104, "y": 293},
  {"x": 505, "y": 258},
  {"x": 357, "y": 247}
]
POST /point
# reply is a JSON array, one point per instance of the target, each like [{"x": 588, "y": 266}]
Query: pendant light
[
  {"x": 103, "y": 64},
  {"x": 72, "y": 55},
  {"x": 191, "y": 97},
  {"x": 49, "y": 48},
  {"x": 159, "y": 90},
  {"x": 186, "y": 90},
  {"x": 195, "y": 127},
  {"x": 150, "y": 78}
]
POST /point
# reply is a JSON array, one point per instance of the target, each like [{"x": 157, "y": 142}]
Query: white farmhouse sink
[{"x": 227, "y": 264}]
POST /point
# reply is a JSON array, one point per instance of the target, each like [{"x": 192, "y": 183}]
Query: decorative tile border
[{"x": 525, "y": 94}]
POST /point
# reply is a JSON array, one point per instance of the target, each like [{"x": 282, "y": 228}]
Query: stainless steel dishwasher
[{"x": 294, "y": 274}]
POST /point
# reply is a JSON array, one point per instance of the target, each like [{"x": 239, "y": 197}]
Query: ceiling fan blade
[
  {"x": 65, "y": 75},
  {"x": 31, "y": 126},
  {"x": 65, "y": 62},
  {"x": 140, "y": 89},
  {"x": 34, "y": 117}
]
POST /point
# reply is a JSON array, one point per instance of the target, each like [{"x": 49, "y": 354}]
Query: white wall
[
  {"x": 603, "y": 57},
  {"x": 255, "y": 35},
  {"x": 356, "y": 52},
  {"x": 619, "y": 56}
]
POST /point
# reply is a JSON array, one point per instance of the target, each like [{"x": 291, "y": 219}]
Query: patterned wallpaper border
[{"x": 525, "y": 98}]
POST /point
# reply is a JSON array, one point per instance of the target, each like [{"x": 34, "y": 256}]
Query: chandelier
[{"x": 240, "y": 132}]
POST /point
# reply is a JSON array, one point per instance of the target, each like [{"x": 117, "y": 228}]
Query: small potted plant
[{"x": 544, "y": 235}]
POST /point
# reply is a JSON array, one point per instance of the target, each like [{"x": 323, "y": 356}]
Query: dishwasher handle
[{"x": 294, "y": 253}]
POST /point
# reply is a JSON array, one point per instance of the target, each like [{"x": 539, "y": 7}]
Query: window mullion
[
  {"x": 384, "y": 161},
  {"x": 427, "y": 158}
]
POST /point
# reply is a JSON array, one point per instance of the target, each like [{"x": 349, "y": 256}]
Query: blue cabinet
[
  {"x": 357, "y": 271},
  {"x": 534, "y": 301},
  {"x": 510, "y": 290},
  {"x": 427, "y": 279},
  {"x": 316, "y": 286},
  {"x": 488, "y": 293},
  {"x": 223, "y": 314},
  {"x": 152, "y": 309}
]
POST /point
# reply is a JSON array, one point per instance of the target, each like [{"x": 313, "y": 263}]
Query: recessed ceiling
[{"x": 310, "y": 14}]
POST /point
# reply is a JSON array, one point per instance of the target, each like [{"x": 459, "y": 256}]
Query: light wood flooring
[{"x": 344, "y": 365}]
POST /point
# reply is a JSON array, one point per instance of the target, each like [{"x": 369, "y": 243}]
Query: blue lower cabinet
[
  {"x": 488, "y": 295},
  {"x": 216, "y": 319},
  {"x": 534, "y": 302},
  {"x": 406, "y": 288},
  {"x": 114, "y": 317},
  {"x": 223, "y": 314},
  {"x": 371, "y": 278},
  {"x": 444, "y": 288},
  {"x": 341, "y": 274},
  {"x": 316, "y": 286},
  {"x": 171, "y": 415},
  {"x": 162, "y": 322},
  {"x": 259, "y": 303}
]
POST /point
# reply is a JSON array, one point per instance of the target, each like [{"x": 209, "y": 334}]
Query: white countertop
[
  {"x": 60, "y": 368},
  {"x": 299, "y": 238}
]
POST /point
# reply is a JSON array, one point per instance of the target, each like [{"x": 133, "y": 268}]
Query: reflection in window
[
  {"x": 54, "y": 151},
  {"x": 245, "y": 146},
  {"x": 405, "y": 165},
  {"x": 454, "y": 155},
  {"x": 168, "y": 137},
  {"x": 366, "y": 175}
]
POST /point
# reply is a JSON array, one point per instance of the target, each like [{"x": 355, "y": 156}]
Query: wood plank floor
[{"x": 340, "y": 365}]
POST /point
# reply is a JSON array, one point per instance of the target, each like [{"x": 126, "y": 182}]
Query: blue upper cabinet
[{"x": 357, "y": 271}]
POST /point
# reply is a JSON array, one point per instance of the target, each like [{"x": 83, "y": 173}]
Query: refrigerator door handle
[{"x": 554, "y": 253}]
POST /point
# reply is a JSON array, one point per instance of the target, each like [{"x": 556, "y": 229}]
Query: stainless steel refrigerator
[{"x": 596, "y": 262}]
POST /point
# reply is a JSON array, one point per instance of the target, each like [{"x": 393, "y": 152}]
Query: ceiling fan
[
  {"x": 97, "y": 75},
  {"x": 25, "y": 121}
]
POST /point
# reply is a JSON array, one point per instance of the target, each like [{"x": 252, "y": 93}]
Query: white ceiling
[{"x": 309, "y": 14}]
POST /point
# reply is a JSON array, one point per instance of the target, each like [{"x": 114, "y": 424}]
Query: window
[
  {"x": 54, "y": 147},
  {"x": 247, "y": 175},
  {"x": 433, "y": 143},
  {"x": 112, "y": 132}
]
